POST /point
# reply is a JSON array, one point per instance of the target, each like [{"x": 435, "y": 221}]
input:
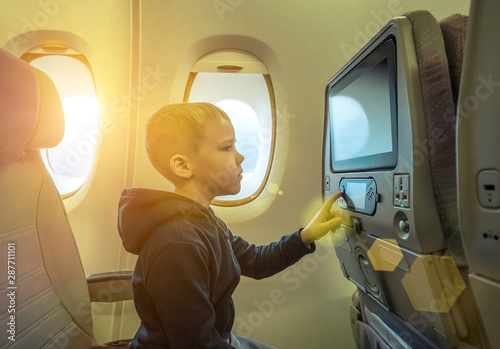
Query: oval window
[
  {"x": 244, "y": 91},
  {"x": 70, "y": 162}
]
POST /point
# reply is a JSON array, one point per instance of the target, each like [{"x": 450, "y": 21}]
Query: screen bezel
[
  {"x": 387, "y": 160},
  {"x": 370, "y": 195}
]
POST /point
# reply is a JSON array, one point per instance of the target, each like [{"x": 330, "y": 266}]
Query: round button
[{"x": 404, "y": 226}]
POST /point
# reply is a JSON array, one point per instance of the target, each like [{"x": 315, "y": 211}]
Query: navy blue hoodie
[{"x": 188, "y": 267}]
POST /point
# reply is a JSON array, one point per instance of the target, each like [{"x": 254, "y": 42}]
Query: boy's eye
[{"x": 228, "y": 146}]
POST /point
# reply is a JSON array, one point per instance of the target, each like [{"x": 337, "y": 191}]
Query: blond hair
[{"x": 178, "y": 129}]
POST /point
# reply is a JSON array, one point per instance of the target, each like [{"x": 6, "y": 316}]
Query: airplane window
[
  {"x": 70, "y": 162},
  {"x": 248, "y": 100}
]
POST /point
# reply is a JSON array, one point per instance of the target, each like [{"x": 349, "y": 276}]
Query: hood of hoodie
[{"x": 141, "y": 211}]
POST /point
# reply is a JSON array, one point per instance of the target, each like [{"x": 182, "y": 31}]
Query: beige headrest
[{"x": 31, "y": 114}]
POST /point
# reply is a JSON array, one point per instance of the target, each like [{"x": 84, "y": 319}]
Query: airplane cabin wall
[
  {"x": 141, "y": 53},
  {"x": 101, "y": 31}
]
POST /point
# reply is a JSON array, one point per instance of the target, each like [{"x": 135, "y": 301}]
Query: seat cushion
[
  {"x": 31, "y": 115},
  {"x": 52, "y": 302},
  {"x": 454, "y": 29},
  {"x": 440, "y": 119}
]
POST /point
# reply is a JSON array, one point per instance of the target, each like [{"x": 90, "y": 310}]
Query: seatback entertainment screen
[{"x": 362, "y": 109}]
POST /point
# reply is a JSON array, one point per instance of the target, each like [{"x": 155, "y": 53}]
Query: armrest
[{"x": 110, "y": 287}]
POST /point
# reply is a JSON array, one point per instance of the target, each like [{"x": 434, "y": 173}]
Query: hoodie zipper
[
  {"x": 220, "y": 227},
  {"x": 230, "y": 247}
]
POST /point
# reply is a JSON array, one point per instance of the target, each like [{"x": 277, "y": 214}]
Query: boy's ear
[{"x": 180, "y": 165}]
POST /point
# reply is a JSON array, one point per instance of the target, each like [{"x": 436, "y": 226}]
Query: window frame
[{"x": 235, "y": 69}]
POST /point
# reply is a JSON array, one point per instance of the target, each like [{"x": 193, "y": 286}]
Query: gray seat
[
  {"x": 478, "y": 161},
  {"x": 440, "y": 67},
  {"x": 45, "y": 279},
  {"x": 439, "y": 49}
]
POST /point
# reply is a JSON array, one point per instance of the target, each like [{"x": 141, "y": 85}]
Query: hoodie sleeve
[
  {"x": 263, "y": 261},
  {"x": 178, "y": 284}
]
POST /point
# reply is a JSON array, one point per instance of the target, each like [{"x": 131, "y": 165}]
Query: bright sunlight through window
[{"x": 70, "y": 161}]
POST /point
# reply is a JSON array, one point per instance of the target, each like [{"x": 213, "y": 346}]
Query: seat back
[
  {"x": 407, "y": 257},
  {"x": 478, "y": 162},
  {"x": 48, "y": 303},
  {"x": 439, "y": 49}
]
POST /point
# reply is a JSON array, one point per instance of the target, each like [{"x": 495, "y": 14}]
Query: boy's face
[{"x": 217, "y": 164}]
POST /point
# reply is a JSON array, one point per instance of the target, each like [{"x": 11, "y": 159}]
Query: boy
[{"x": 189, "y": 262}]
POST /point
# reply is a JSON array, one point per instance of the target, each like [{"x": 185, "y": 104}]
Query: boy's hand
[{"x": 325, "y": 220}]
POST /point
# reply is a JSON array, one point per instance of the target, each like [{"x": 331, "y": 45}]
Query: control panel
[{"x": 359, "y": 195}]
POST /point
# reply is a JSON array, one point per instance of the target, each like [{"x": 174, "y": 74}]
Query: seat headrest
[{"x": 31, "y": 114}]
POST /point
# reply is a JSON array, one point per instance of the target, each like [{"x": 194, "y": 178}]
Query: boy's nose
[{"x": 240, "y": 157}]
